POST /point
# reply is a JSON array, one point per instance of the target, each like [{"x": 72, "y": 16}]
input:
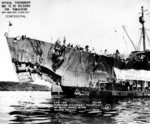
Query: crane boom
[
  {"x": 148, "y": 39},
  {"x": 129, "y": 38}
]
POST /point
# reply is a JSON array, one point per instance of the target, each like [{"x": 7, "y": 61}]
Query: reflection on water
[{"x": 40, "y": 107}]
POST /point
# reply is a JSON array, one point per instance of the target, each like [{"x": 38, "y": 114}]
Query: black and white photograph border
[{"x": 75, "y": 61}]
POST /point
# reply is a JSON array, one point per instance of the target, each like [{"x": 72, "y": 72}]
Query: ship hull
[{"x": 73, "y": 69}]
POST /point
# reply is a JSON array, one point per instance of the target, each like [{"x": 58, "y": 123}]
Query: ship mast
[{"x": 141, "y": 20}]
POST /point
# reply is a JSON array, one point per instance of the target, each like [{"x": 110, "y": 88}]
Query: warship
[
  {"x": 70, "y": 68},
  {"x": 73, "y": 68}
]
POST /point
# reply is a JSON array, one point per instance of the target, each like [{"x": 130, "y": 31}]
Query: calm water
[{"x": 42, "y": 108}]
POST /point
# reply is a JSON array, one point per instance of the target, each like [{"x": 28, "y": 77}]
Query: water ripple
[{"x": 40, "y": 108}]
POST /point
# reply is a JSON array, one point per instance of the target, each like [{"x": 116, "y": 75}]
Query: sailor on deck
[
  {"x": 145, "y": 85},
  {"x": 138, "y": 85}
]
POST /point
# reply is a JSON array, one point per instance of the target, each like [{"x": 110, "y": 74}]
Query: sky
[{"x": 97, "y": 23}]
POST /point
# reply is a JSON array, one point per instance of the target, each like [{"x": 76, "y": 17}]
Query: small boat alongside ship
[{"x": 73, "y": 68}]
